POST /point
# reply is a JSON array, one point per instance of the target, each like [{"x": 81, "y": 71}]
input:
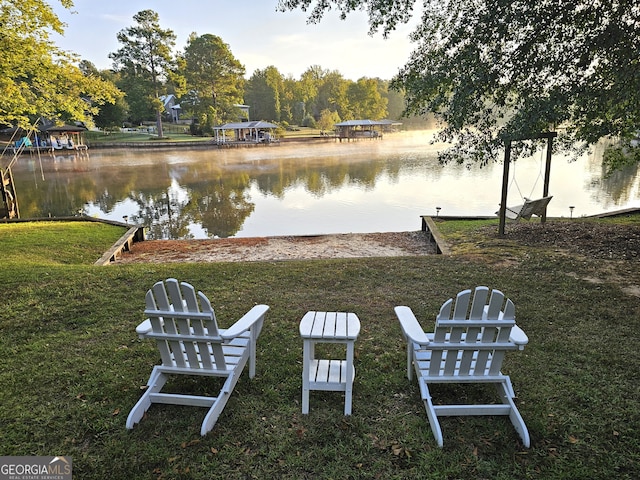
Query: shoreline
[
  {"x": 206, "y": 143},
  {"x": 280, "y": 248}
]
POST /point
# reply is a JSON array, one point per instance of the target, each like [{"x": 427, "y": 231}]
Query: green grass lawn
[
  {"x": 73, "y": 367},
  {"x": 94, "y": 138}
]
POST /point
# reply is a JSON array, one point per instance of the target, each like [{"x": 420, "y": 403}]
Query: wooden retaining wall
[
  {"x": 124, "y": 244},
  {"x": 429, "y": 226}
]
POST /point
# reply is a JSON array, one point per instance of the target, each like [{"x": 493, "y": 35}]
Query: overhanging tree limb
[
  {"x": 493, "y": 69},
  {"x": 36, "y": 77}
]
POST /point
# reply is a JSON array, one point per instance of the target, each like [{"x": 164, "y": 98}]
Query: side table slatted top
[
  {"x": 328, "y": 374},
  {"x": 330, "y": 326}
]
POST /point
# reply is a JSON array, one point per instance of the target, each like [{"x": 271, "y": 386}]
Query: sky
[{"x": 258, "y": 35}]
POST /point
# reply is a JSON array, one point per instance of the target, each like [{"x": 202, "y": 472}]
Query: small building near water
[
  {"x": 251, "y": 132},
  {"x": 47, "y": 137},
  {"x": 65, "y": 137},
  {"x": 357, "y": 129}
]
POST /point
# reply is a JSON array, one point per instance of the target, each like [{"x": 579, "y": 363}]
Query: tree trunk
[{"x": 159, "y": 124}]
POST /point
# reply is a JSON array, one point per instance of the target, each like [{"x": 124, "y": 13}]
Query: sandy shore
[{"x": 350, "y": 245}]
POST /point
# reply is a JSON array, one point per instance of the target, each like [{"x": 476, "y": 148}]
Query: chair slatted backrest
[
  {"x": 472, "y": 334},
  {"x": 536, "y": 207},
  {"x": 184, "y": 326}
]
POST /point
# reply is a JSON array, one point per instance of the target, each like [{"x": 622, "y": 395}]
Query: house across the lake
[{"x": 171, "y": 107}]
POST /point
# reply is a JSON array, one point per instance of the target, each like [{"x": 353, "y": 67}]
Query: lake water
[{"x": 302, "y": 189}]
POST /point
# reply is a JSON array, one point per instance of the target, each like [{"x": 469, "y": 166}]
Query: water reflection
[{"x": 358, "y": 187}]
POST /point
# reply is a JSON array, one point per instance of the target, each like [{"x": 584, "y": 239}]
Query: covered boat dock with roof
[
  {"x": 251, "y": 132},
  {"x": 69, "y": 137},
  {"x": 48, "y": 137},
  {"x": 358, "y": 129}
]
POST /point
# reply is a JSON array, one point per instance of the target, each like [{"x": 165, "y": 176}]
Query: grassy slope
[
  {"x": 73, "y": 368},
  {"x": 54, "y": 243}
]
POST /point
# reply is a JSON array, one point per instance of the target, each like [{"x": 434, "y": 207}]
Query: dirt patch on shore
[
  {"x": 591, "y": 239},
  {"x": 350, "y": 245}
]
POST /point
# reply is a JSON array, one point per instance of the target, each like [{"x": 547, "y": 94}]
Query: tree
[
  {"x": 365, "y": 99},
  {"x": 395, "y": 100},
  {"x": 264, "y": 90},
  {"x": 327, "y": 120},
  {"x": 494, "y": 70},
  {"x": 214, "y": 79},
  {"x": 138, "y": 97},
  {"x": 333, "y": 94},
  {"x": 308, "y": 86},
  {"x": 109, "y": 115},
  {"x": 145, "y": 58},
  {"x": 292, "y": 104},
  {"x": 37, "y": 79}
]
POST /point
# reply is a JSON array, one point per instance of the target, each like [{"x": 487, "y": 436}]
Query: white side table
[{"x": 331, "y": 375}]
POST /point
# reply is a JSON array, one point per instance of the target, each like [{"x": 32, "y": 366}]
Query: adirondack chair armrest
[
  {"x": 144, "y": 328},
  {"x": 410, "y": 326},
  {"x": 246, "y": 322},
  {"x": 518, "y": 337}
]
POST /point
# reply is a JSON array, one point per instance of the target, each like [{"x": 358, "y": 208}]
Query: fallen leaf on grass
[{"x": 190, "y": 444}]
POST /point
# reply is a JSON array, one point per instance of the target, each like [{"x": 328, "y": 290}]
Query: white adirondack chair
[
  {"x": 468, "y": 345},
  {"x": 190, "y": 343}
]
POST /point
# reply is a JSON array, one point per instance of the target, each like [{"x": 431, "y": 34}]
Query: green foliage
[
  {"x": 327, "y": 120},
  {"x": 617, "y": 158},
  {"x": 383, "y": 14},
  {"x": 37, "y": 79},
  {"x": 145, "y": 62},
  {"x": 275, "y": 98},
  {"x": 496, "y": 69},
  {"x": 309, "y": 122},
  {"x": 333, "y": 95},
  {"x": 138, "y": 97},
  {"x": 264, "y": 91},
  {"x": 214, "y": 78},
  {"x": 395, "y": 102},
  {"x": 110, "y": 116},
  {"x": 365, "y": 99}
]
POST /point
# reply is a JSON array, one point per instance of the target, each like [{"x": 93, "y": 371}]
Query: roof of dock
[
  {"x": 244, "y": 125},
  {"x": 366, "y": 123}
]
